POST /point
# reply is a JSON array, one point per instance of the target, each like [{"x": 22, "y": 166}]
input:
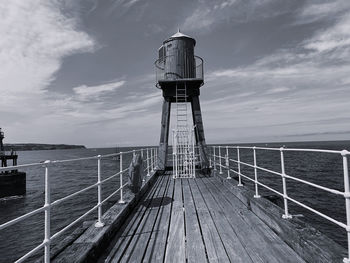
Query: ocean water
[
  {"x": 66, "y": 178},
  {"x": 15, "y": 241}
]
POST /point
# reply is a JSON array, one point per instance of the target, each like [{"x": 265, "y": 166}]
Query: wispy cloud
[
  {"x": 209, "y": 14},
  {"x": 314, "y": 11},
  {"x": 94, "y": 92},
  {"x": 306, "y": 85},
  {"x": 35, "y": 37}
]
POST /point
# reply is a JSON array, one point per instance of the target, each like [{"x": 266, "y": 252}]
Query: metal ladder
[
  {"x": 183, "y": 138},
  {"x": 181, "y": 106}
]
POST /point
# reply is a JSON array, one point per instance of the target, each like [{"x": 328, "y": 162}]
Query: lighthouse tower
[{"x": 179, "y": 74}]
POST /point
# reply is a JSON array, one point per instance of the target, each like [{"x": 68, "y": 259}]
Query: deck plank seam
[
  {"x": 229, "y": 221},
  {"x": 199, "y": 223},
  {"x": 129, "y": 226},
  {"x": 169, "y": 221},
  {"x": 154, "y": 223},
  {"x": 125, "y": 226},
  {"x": 244, "y": 218},
  {"x": 141, "y": 225},
  {"x": 164, "y": 211},
  {"x": 216, "y": 228},
  {"x": 184, "y": 216}
]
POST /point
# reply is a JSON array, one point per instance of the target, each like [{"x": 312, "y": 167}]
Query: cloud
[
  {"x": 302, "y": 90},
  {"x": 335, "y": 37},
  {"x": 35, "y": 37},
  {"x": 209, "y": 14},
  {"x": 94, "y": 92},
  {"x": 314, "y": 11}
]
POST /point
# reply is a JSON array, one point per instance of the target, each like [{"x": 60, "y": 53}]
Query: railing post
[
  {"x": 152, "y": 160},
  {"x": 214, "y": 159},
  {"x": 99, "y": 194},
  {"x": 255, "y": 175},
  {"x": 239, "y": 168},
  {"x": 142, "y": 153},
  {"x": 147, "y": 162},
  {"x": 133, "y": 153},
  {"x": 121, "y": 201},
  {"x": 228, "y": 164},
  {"x": 47, "y": 237},
  {"x": 194, "y": 155},
  {"x": 344, "y": 154},
  {"x": 220, "y": 160},
  {"x": 156, "y": 158},
  {"x": 210, "y": 163},
  {"x": 284, "y": 184}
]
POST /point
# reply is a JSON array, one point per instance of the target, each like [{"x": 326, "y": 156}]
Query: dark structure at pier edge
[
  {"x": 12, "y": 182},
  {"x": 178, "y": 68}
]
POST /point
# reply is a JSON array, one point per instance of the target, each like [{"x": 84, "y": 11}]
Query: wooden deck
[{"x": 195, "y": 220}]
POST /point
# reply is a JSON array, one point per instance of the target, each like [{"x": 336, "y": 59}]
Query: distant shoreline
[{"x": 40, "y": 146}]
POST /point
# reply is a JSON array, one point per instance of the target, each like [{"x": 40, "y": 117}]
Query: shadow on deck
[{"x": 195, "y": 220}]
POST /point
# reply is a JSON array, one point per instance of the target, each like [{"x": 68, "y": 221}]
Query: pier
[
  {"x": 195, "y": 220},
  {"x": 187, "y": 203},
  {"x": 208, "y": 218}
]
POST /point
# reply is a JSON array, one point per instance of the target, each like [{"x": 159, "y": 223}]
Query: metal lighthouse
[{"x": 179, "y": 73}]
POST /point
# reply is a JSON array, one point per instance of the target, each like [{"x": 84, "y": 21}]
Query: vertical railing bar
[
  {"x": 155, "y": 158},
  {"x": 47, "y": 237},
  {"x": 239, "y": 168},
  {"x": 210, "y": 163},
  {"x": 220, "y": 160},
  {"x": 227, "y": 159},
  {"x": 99, "y": 194},
  {"x": 214, "y": 160},
  {"x": 347, "y": 199},
  {"x": 284, "y": 185},
  {"x": 255, "y": 175},
  {"x": 152, "y": 160},
  {"x": 194, "y": 153},
  {"x": 147, "y": 154},
  {"x": 121, "y": 201}
]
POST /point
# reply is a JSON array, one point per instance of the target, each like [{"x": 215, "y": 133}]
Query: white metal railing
[
  {"x": 162, "y": 73},
  {"x": 151, "y": 166},
  {"x": 217, "y": 159},
  {"x": 184, "y": 153}
]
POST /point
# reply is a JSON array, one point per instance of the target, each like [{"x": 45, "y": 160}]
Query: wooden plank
[
  {"x": 155, "y": 251},
  {"x": 214, "y": 246},
  {"x": 195, "y": 249},
  {"x": 262, "y": 244},
  {"x": 122, "y": 238},
  {"x": 138, "y": 244},
  {"x": 175, "y": 249},
  {"x": 233, "y": 246}
]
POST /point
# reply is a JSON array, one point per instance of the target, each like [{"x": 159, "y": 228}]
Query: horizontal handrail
[
  {"x": 166, "y": 69},
  {"x": 217, "y": 158},
  {"x": 288, "y": 149},
  {"x": 151, "y": 163},
  {"x": 71, "y": 160}
]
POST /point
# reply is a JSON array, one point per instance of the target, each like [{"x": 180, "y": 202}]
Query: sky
[{"x": 82, "y": 71}]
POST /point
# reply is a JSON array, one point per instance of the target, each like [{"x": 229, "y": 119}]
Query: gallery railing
[
  {"x": 150, "y": 155},
  {"x": 165, "y": 72}
]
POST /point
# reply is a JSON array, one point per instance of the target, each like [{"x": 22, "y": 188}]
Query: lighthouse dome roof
[{"x": 178, "y": 34}]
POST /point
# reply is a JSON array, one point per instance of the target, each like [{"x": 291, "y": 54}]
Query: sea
[{"x": 321, "y": 168}]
